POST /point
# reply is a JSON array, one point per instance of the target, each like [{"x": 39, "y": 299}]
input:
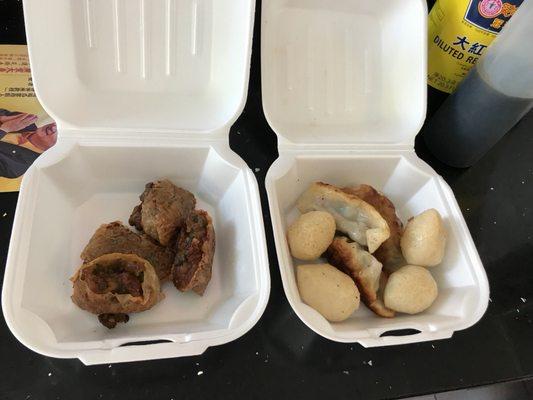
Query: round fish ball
[
  {"x": 410, "y": 290},
  {"x": 311, "y": 235},
  {"x": 424, "y": 239},
  {"x": 329, "y": 291}
]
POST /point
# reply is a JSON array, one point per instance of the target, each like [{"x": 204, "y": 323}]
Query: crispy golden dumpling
[
  {"x": 378, "y": 305},
  {"x": 353, "y": 216},
  {"x": 362, "y": 267},
  {"x": 389, "y": 253}
]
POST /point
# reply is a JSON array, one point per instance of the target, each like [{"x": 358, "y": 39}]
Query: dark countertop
[{"x": 280, "y": 356}]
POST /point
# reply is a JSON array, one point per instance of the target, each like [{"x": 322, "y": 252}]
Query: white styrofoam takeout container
[
  {"x": 344, "y": 88},
  {"x": 140, "y": 90}
]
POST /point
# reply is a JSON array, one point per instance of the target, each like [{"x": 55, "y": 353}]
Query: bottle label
[
  {"x": 459, "y": 33},
  {"x": 491, "y": 15}
]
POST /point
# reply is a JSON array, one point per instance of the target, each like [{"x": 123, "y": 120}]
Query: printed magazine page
[{"x": 25, "y": 129}]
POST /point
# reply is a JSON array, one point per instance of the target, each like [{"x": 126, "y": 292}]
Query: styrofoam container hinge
[
  {"x": 157, "y": 137},
  {"x": 336, "y": 148}
]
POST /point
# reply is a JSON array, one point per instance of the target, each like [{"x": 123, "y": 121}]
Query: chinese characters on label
[{"x": 474, "y": 48}]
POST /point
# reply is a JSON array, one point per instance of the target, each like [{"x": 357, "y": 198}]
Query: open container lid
[
  {"x": 163, "y": 65},
  {"x": 335, "y": 72}
]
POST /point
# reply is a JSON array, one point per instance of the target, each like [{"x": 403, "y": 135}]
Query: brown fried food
[
  {"x": 117, "y": 238},
  {"x": 195, "y": 250},
  {"x": 111, "y": 320},
  {"x": 163, "y": 210},
  {"x": 364, "y": 269},
  {"x": 389, "y": 253},
  {"x": 378, "y": 305},
  {"x": 116, "y": 284}
]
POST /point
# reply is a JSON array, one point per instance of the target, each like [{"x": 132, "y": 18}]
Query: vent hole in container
[
  {"x": 144, "y": 343},
  {"x": 400, "y": 332}
]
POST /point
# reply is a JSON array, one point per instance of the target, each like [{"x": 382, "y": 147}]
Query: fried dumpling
[
  {"x": 353, "y": 216},
  {"x": 389, "y": 253},
  {"x": 378, "y": 305},
  {"x": 195, "y": 249},
  {"x": 163, "y": 210},
  {"x": 362, "y": 266},
  {"x": 114, "y": 284},
  {"x": 117, "y": 238}
]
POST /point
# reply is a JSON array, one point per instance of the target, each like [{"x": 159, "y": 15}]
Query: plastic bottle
[
  {"x": 493, "y": 97},
  {"x": 459, "y": 32}
]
